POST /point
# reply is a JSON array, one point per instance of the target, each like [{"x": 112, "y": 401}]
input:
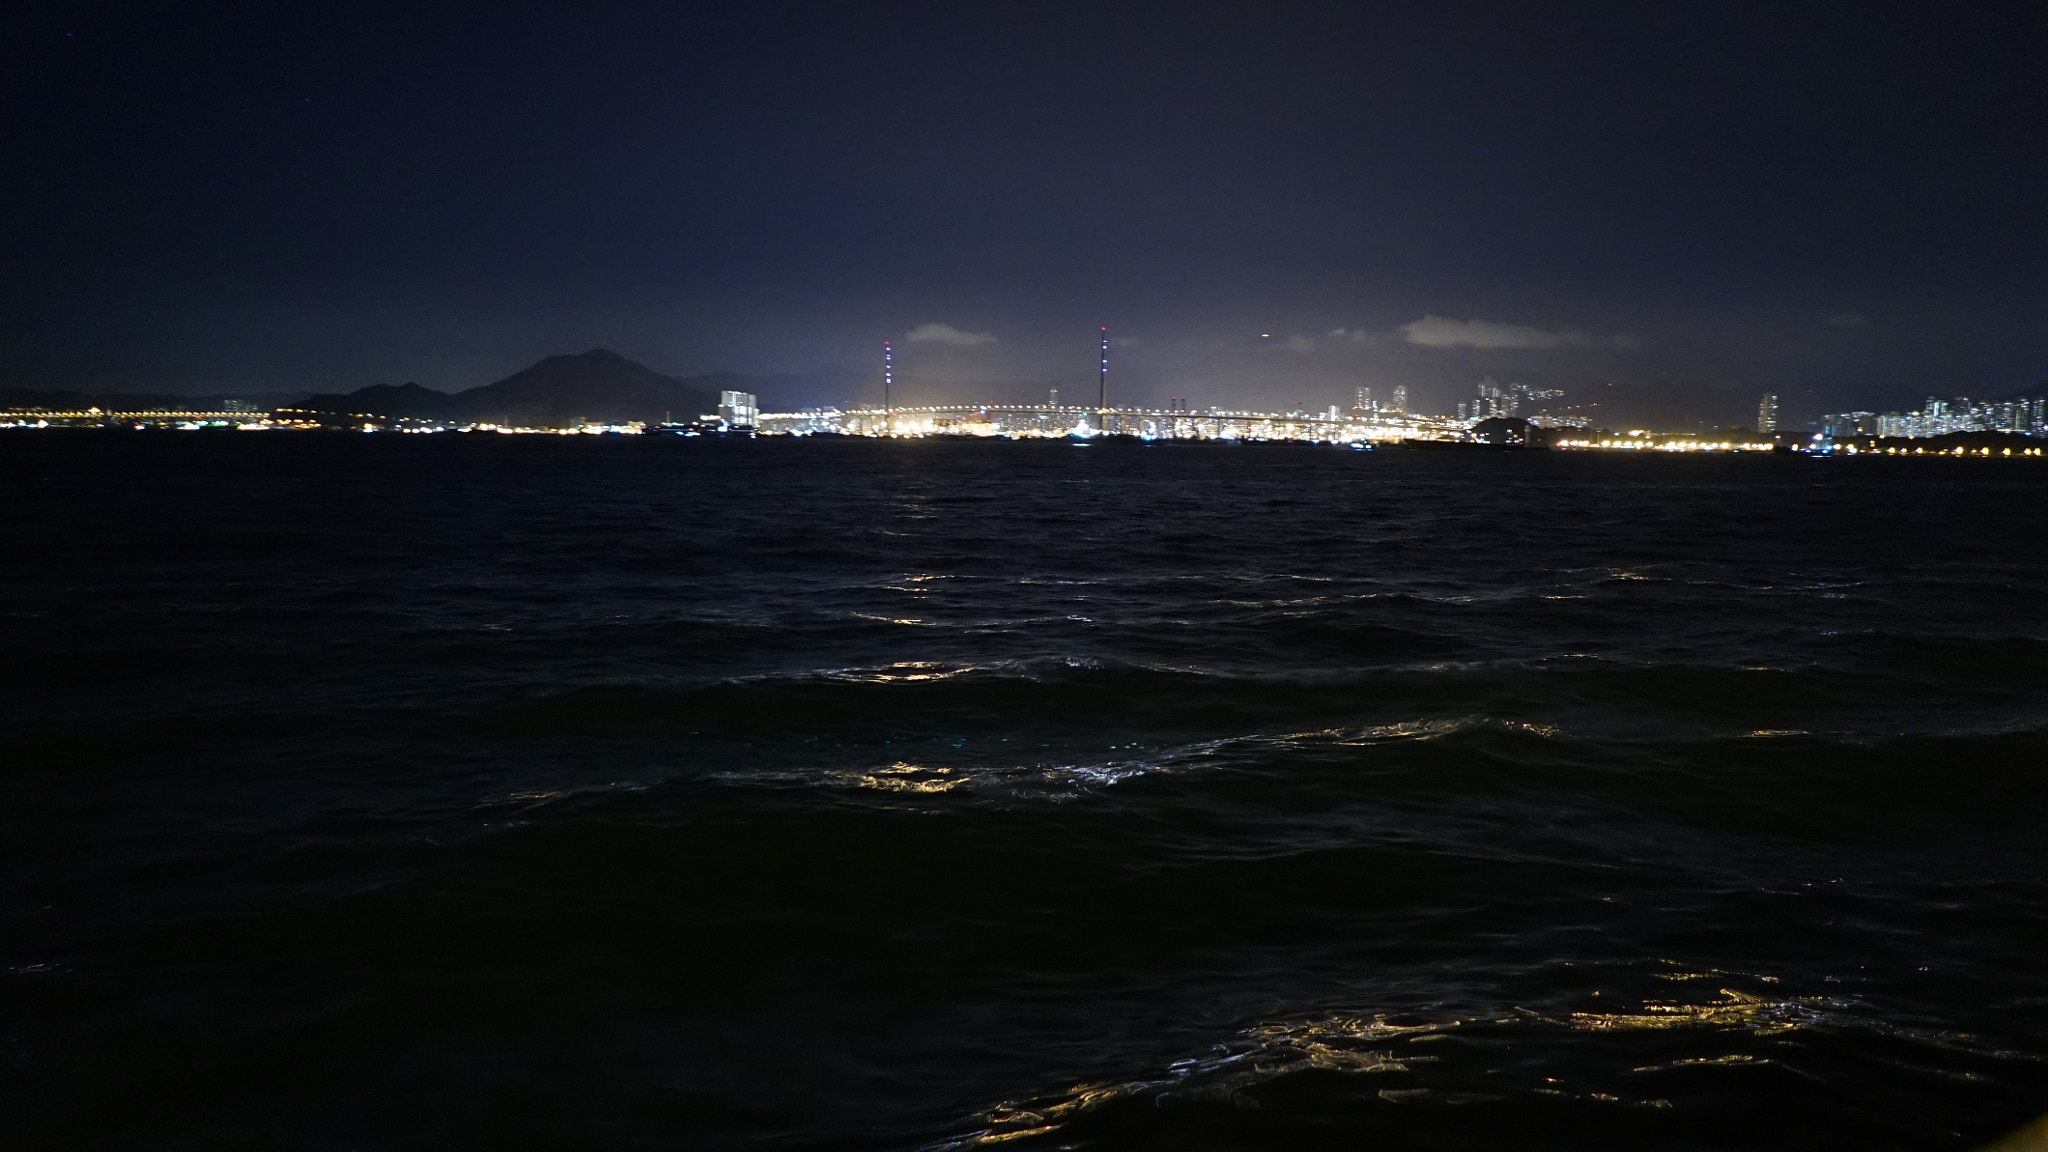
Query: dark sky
[{"x": 1672, "y": 206}]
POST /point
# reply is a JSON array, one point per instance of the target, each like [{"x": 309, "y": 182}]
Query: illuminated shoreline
[{"x": 1049, "y": 422}]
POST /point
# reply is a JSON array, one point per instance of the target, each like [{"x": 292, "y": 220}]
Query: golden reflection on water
[
  {"x": 1326, "y": 1043},
  {"x": 1732, "y": 1060},
  {"x": 1738, "y": 1010},
  {"x": 1366, "y": 1046},
  {"x": 903, "y": 671},
  {"x": 904, "y": 776},
  {"x": 1679, "y": 973},
  {"x": 1013, "y": 1121}
]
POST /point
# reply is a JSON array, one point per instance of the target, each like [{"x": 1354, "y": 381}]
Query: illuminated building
[
  {"x": 1850, "y": 424},
  {"x": 2026, "y": 417},
  {"x": 739, "y": 409},
  {"x": 1497, "y": 400}
]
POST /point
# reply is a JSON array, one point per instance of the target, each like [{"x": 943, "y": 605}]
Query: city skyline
[{"x": 1595, "y": 401}]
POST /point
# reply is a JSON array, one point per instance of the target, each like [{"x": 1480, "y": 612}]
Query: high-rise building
[
  {"x": 1767, "y": 413},
  {"x": 739, "y": 409},
  {"x": 1400, "y": 401},
  {"x": 1851, "y": 424},
  {"x": 1495, "y": 400},
  {"x": 1940, "y": 417}
]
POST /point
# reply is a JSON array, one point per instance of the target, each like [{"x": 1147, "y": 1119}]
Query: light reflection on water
[
  {"x": 462, "y": 786},
  {"x": 1488, "y": 1069}
]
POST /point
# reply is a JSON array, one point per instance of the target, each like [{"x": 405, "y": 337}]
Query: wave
[
  {"x": 1592, "y": 694},
  {"x": 1808, "y": 1071}
]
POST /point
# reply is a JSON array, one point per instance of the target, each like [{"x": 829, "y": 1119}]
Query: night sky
[{"x": 1671, "y": 207}]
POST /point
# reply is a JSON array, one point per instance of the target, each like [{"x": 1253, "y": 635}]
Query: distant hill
[
  {"x": 389, "y": 400},
  {"x": 599, "y": 385}
]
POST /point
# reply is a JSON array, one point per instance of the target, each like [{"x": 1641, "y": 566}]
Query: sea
[{"x": 467, "y": 791}]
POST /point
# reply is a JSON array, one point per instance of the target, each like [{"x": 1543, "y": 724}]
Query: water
[{"x": 496, "y": 792}]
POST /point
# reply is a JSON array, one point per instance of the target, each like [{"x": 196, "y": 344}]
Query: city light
[
  {"x": 1938, "y": 417},
  {"x": 1494, "y": 418}
]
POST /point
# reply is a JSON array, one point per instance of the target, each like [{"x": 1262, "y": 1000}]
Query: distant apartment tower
[
  {"x": 1940, "y": 417},
  {"x": 1495, "y": 400},
  {"x": 1767, "y": 413},
  {"x": 1851, "y": 424},
  {"x": 1400, "y": 403},
  {"x": 739, "y": 409}
]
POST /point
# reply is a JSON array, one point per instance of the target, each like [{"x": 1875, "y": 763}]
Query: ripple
[{"x": 1508, "y": 1060}]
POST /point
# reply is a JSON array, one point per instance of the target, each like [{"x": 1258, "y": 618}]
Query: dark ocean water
[{"x": 607, "y": 793}]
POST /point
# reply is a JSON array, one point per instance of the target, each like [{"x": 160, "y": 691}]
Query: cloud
[
  {"x": 1439, "y": 332},
  {"x": 1848, "y": 320},
  {"x": 1299, "y": 344},
  {"x": 945, "y": 334}
]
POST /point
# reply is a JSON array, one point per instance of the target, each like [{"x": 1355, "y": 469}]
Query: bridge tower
[{"x": 1102, "y": 381}]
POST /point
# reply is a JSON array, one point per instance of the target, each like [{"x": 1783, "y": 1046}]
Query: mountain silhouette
[
  {"x": 388, "y": 400},
  {"x": 599, "y": 386}
]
